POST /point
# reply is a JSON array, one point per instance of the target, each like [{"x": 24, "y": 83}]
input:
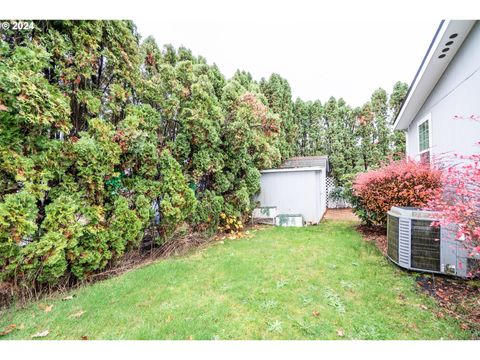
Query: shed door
[{"x": 294, "y": 192}]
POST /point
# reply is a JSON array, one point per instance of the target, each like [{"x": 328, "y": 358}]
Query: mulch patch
[
  {"x": 376, "y": 235},
  {"x": 459, "y": 298}
]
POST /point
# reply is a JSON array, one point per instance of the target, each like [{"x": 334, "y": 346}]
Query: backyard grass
[{"x": 318, "y": 282}]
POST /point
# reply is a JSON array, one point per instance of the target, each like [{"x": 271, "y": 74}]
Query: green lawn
[{"x": 284, "y": 283}]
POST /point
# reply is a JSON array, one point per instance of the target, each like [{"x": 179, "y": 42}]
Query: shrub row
[{"x": 103, "y": 137}]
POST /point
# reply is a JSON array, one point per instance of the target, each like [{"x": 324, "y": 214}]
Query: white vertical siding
[{"x": 323, "y": 193}]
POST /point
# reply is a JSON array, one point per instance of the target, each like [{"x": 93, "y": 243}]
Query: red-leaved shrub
[
  {"x": 459, "y": 204},
  {"x": 404, "y": 182}
]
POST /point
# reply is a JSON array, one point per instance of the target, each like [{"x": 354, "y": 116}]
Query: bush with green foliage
[{"x": 178, "y": 201}]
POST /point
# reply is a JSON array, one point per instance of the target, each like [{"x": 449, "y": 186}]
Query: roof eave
[
  {"x": 431, "y": 69},
  {"x": 306, "y": 168}
]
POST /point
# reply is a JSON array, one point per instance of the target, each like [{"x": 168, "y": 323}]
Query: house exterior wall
[
  {"x": 457, "y": 93},
  {"x": 295, "y": 192}
]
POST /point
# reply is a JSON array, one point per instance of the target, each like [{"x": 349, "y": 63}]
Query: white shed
[{"x": 298, "y": 187}]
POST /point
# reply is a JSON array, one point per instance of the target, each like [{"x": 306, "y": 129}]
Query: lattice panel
[{"x": 331, "y": 203}]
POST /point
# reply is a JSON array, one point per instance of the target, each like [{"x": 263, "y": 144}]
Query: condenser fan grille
[
  {"x": 425, "y": 245},
  {"x": 392, "y": 238}
]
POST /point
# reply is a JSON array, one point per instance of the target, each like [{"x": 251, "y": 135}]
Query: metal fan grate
[{"x": 404, "y": 242}]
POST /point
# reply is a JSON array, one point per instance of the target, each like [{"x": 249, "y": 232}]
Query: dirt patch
[
  {"x": 458, "y": 298},
  {"x": 340, "y": 214}
]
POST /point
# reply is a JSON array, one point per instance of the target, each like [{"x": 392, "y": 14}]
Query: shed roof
[{"x": 305, "y": 161}]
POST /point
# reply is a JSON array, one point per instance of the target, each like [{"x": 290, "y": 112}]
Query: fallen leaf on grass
[
  {"x": 45, "y": 307},
  {"x": 423, "y": 307},
  {"x": 8, "y": 329},
  {"x": 464, "y": 326},
  {"x": 440, "y": 315},
  {"x": 66, "y": 298},
  {"x": 77, "y": 314},
  {"x": 40, "y": 334},
  {"x": 315, "y": 313},
  {"x": 84, "y": 337},
  {"x": 340, "y": 333}
]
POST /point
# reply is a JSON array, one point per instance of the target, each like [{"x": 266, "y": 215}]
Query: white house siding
[
  {"x": 294, "y": 192},
  {"x": 457, "y": 93}
]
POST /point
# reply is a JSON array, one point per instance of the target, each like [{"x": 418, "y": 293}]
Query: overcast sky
[
  {"x": 319, "y": 57},
  {"x": 344, "y": 48}
]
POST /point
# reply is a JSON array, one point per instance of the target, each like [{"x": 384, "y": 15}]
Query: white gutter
[{"x": 309, "y": 168}]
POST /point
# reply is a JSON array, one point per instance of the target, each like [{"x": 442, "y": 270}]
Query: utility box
[
  {"x": 413, "y": 243},
  {"x": 295, "y": 220},
  {"x": 265, "y": 215}
]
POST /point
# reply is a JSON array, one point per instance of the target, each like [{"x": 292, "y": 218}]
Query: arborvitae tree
[
  {"x": 302, "y": 121},
  {"x": 96, "y": 63},
  {"x": 327, "y": 133},
  {"x": 177, "y": 199},
  {"x": 316, "y": 131},
  {"x": 366, "y": 135},
  {"x": 397, "y": 97},
  {"x": 376, "y": 136},
  {"x": 342, "y": 151},
  {"x": 329, "y": 120},
  {"x": 310, "y": 128},
  {"x": 217, "y": 79},
  {"x": 249, "y": 138},
  {"x": 279, "y": 95},
  {"x": 379, "y": 103},
  {"x": 244, "y": 78}
]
